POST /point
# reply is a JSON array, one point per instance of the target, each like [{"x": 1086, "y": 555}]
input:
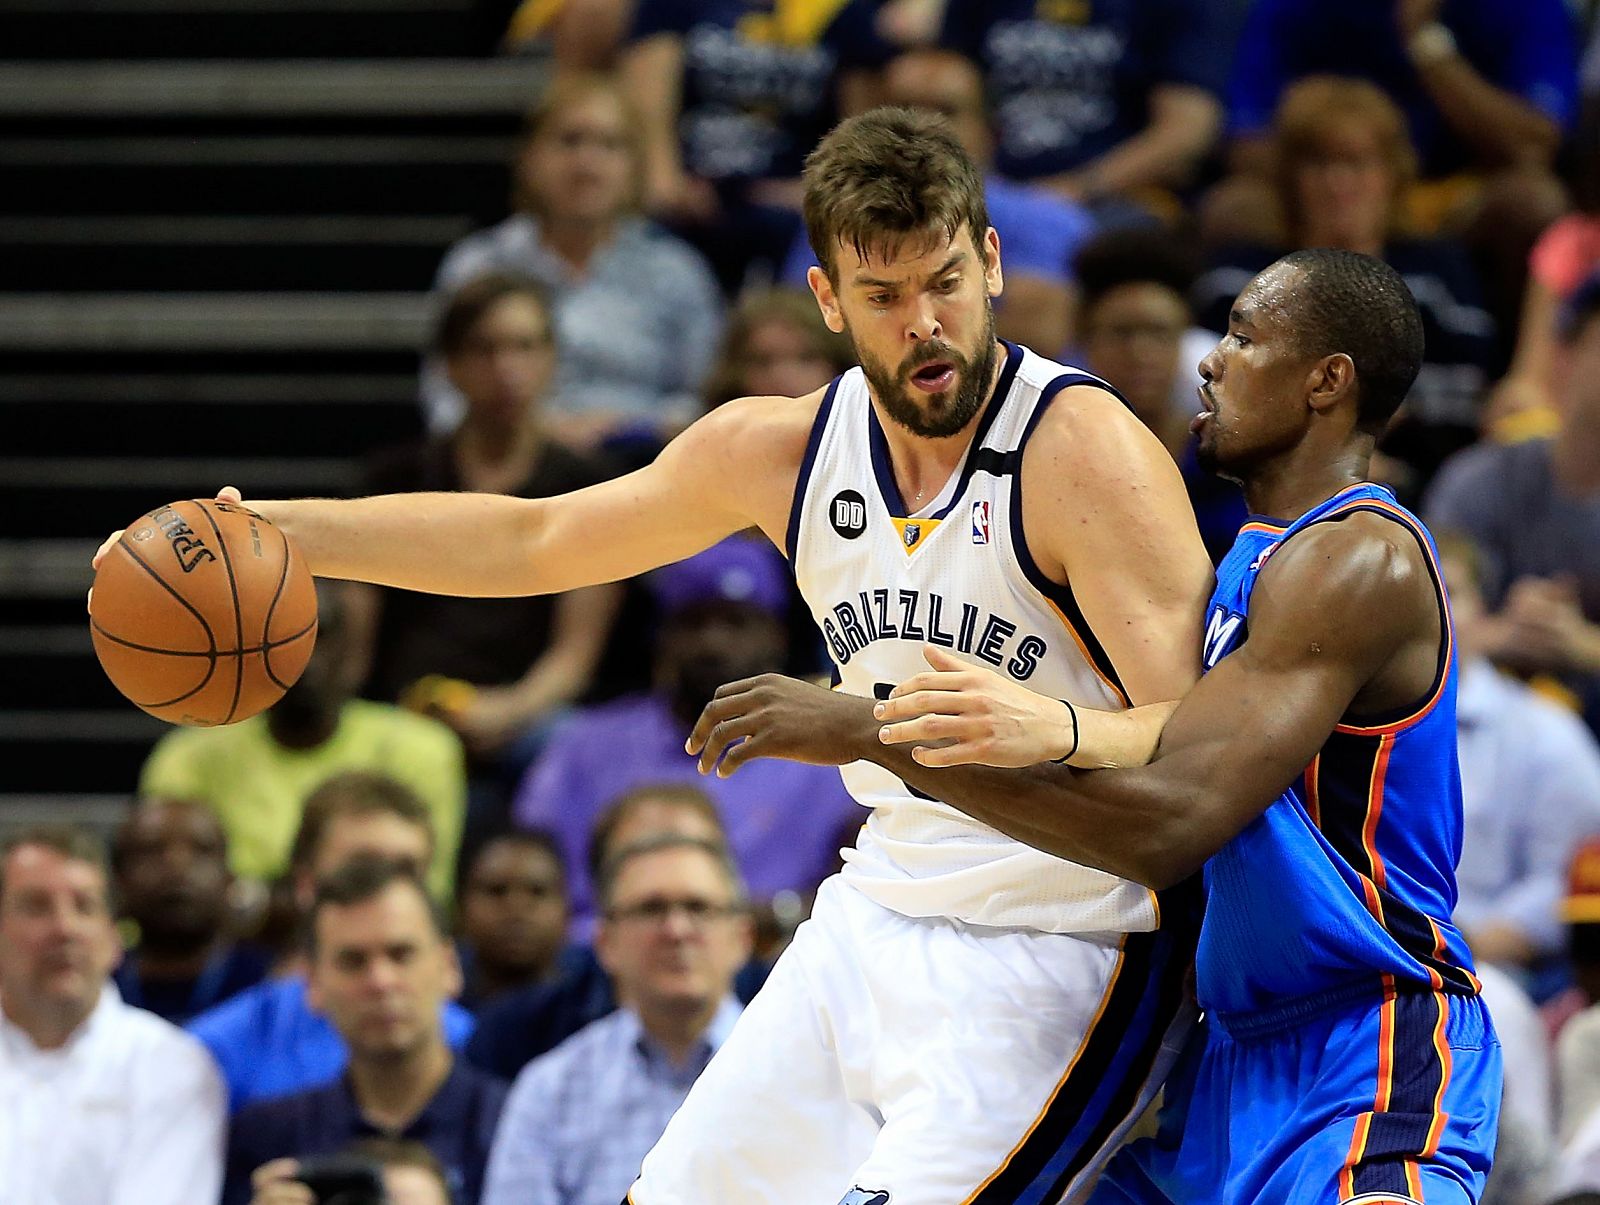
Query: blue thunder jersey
[{"x": 1346, "y": 883}]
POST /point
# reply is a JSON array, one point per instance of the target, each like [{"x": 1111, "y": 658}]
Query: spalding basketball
[{"x": 203, "y": 613}]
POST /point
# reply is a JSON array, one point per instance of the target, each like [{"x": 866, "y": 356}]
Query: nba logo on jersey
[
  {"x": 980, "y": 521},
  {"x": 865, "y": 1196}
]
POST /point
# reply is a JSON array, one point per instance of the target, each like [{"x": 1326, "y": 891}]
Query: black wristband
[{"x": 1070, "y": 753}]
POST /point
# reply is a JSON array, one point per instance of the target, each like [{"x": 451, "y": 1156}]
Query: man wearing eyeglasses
[{"x": 673, "y": 932}]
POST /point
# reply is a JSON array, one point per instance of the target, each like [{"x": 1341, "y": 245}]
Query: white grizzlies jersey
[{"x": 881, "y": 581}]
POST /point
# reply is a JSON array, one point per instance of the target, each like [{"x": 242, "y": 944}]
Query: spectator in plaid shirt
[{"x": 581, "y": 1118}]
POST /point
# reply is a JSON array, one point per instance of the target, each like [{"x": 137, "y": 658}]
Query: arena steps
[
  {"x": 275, "y": 252},
  {"x": 177, "y": 173},
  {"x": 219, "y": 223},
  {"x": 246, "y": 29}
]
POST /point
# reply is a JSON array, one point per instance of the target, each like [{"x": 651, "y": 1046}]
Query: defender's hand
[
  {"x": 961, "y": 714},
  {"x": 776, "y": 716}
]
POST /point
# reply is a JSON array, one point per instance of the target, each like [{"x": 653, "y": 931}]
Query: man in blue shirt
[
  {"x": 381, "y": 966},
  {"x": 1097, "y": 98},
  {"x": 580, "y": 1119},
  {"x": 269, "y": 1041}
]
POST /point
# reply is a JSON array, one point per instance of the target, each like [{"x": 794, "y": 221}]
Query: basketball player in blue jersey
[
  {"x": 963, "y": 1018},
  {"x": 1346, "y": 1055}
]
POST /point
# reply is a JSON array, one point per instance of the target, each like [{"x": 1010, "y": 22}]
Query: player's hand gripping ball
[{"x": 202, "y": 613}]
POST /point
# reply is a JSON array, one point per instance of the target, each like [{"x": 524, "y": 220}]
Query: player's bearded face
[{"x": 934, "y": 415}]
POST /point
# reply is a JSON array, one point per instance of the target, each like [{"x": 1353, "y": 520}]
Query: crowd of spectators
[{"x": 457, "y": 918}]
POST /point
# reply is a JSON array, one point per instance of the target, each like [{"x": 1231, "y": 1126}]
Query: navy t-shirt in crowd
[
  {"x": 229, "y": 971},
  {"x": 1529, "y": 48},
  {"x": 1070, "y": 79},
  {"x": 759, "y": 77},
  {"x": 457, "y": 1126}
]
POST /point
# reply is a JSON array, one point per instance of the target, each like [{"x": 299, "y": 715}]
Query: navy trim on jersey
[
  {"x": 883, "y": 464},
  {"x": 1345, "y": 769},
  {"x": 1101, "y": 1091},
  {"x": 1412, "y": 1075},
  {"x": 1394, "y": 715},
  {"x": 1059, "y": 595},
  {"x": 791, "y": 541}
]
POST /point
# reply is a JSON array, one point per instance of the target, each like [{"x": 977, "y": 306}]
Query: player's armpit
[{"x": 1105, "y": 513}]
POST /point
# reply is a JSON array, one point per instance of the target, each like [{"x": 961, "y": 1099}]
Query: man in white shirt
[{"x": 100, "y": 1103}]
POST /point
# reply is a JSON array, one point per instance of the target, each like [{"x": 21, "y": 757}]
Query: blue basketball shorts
[{"x": 1393, "y": 1100}]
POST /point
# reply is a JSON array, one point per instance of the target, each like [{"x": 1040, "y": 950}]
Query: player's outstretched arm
[
  {"x": 1344, "y": 614},
  {"x": 962, "y": 714},
  {"x": 733, "y": 469}
]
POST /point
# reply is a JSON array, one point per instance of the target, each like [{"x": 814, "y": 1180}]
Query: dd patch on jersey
[{"x": 848, "y": 514}]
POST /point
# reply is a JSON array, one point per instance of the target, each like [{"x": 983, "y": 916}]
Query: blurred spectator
[
  {"x": 580, "y": 1119},
  {"x": 1530, "y": 787},
  {"x": 1104, "y": 101},
  {"x": 494, "y": 669},
  {"x": 1578, "y": 1041},
  {"x": 269, "y": 1041},
  {"x": 733, "y": 96},
  {"x": 581, "y": 35},
  {"x": 100, "y": 1103},
  {"x": 637, "y": 313},
  {"x": 1566, "y": 254},
  {"x": 1134, "y": 321},
  {"x": 406, "y": 1171},
  {"x": 512, "y": 915},
  {"x": 1040, "y": 232},
  {"x": 1534, "y": 509},
  {"x": 723, "y": 615},
  {"x": 257, "y": 774},
  {"x": 776, "y": 345},
  {"x": 1525, "y": 1150},
  {"x": 170, "y": 861},
  {"x": 524, "y": 1024},
  {"x": 1487, "y": 89},
  {"x": 1343, "y": 164},
  {"x": 381, "y": 969}
]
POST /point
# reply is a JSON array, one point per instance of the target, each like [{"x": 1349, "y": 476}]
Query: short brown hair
[
  {"x": 674, "y": 794},
  {"x": 401, "y": 1152},
  {"x": 606, "y": 885},
  {"x": 1319, "y": 105},
  {"x": 465, "y": 308},
  {"x": 887, "y": 176},
  {"x": 365, "y": 877},
  {"x": 354, "y": 793},
  {"x": 76, "y": 844}
]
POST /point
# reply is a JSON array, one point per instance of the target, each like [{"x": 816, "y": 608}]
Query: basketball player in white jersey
[{"x": 963, "y": 1019}]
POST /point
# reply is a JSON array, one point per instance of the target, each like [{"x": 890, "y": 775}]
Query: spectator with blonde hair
[
  {"x": 637, "y": 313},
  {"x": 1342, "y": 165}
]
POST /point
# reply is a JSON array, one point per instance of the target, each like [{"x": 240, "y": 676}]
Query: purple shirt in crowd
[{"x": 785, "y": 821}]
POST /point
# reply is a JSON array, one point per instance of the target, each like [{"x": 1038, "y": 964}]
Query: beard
[{"x": 947, "y": 413}]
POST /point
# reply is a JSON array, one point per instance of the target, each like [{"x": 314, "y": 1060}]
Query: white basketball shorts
[{"x": 892, "y": 1060}]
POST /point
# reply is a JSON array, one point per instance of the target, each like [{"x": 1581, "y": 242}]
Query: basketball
[{"x": 203, "y": 614}]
